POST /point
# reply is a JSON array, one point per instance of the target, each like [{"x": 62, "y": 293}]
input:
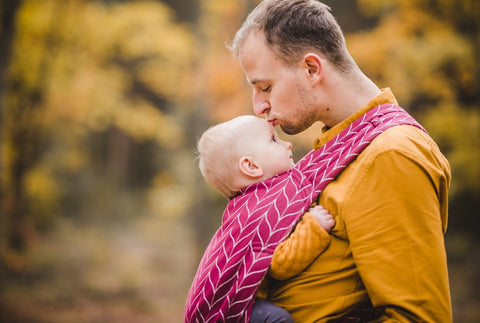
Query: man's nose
[{"x": 260, "y": 106}]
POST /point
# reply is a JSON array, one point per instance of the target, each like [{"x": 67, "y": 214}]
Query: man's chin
[{"x": 290, "y": 130}]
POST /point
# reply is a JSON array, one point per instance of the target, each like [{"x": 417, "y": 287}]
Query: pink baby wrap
[{"x": 262, "y": 216}]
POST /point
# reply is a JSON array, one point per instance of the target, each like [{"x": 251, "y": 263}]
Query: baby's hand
[{"x": 323, "y": 217}]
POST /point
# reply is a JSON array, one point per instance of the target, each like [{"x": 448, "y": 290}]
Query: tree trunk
[{"x": 7, "y": 31}]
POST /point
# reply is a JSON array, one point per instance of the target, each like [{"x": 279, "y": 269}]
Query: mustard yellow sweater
[
  {"x": 390, "y": 208},
  {"x": 306, "y": 242}
]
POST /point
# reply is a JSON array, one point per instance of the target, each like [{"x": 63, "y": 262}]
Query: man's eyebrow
[{"x": 256, "y": 81}]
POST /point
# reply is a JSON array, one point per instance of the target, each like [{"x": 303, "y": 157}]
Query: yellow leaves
[
  {"x": 373, "y": 7},
  {"x": 432, "y": 68},
  {"x": 144, "y": 35},
  {"x": 28, "y": 65},
  {"x": 43, "y": 193},
  {"x": 36, "y": 16},
  {"x": 457, "y": 129},
  {"x": 98, "y": 52},
  {"x": 78, "y": 70},
  {"x": 142, "y": 121},
  {"x": 41, "y": 185},
  {"x": 146, "y": 28},
  {"x": 219, "y": 82},
  {"x": 166, "y": 199},
  {"x": 170, "y": 78},
  {"x": 224, "y": 88},
  {"x": 403, "y": 54}
]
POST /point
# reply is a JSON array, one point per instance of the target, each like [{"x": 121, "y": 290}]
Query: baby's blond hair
[{"x": 218, "y": 154}]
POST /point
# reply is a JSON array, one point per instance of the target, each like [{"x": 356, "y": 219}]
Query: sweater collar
[{"x": 328, "y": 133}]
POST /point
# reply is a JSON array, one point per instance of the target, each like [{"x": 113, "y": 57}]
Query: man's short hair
[{"x": 294, "y": 27}]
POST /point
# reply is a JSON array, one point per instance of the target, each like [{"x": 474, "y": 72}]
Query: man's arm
[{"x": 395, "y": 221}]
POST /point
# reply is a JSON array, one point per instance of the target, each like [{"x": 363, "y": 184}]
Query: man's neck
[{"x": 348, "y": 95}]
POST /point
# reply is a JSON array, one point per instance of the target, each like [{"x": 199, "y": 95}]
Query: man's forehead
[
  {"x": 254, "y": 38},
  {"x": 253, "y": 51}
]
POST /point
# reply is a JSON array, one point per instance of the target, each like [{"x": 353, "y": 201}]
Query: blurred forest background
[{"x": 103, "y": 213}]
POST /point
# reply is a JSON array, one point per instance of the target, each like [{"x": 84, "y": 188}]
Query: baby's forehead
[
  {"x": 250, "y": 122},
  {"x": 248, "y": 118}
]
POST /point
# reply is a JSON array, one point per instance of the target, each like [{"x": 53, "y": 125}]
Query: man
[{"x": 387, "y": 255}]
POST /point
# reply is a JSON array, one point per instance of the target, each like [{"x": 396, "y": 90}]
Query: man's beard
[
  {"x": 302, "y": 125},
  {"x": 304, "y": 117}
]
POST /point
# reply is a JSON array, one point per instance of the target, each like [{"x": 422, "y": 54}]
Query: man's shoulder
[
  {"x": 403, "y": 142},
  {"x": 402, "y": 138}
]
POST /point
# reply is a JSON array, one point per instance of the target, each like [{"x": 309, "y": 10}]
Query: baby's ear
[{"x": 250, "y": 167}]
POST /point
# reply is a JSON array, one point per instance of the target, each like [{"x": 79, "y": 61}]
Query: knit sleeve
[{"x": 305, "y": 243}]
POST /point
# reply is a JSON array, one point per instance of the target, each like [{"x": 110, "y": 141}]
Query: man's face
[{"x": 279, "y": 92}]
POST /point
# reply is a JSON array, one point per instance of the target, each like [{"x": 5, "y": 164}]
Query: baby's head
[{"x": 240, "y": 152}]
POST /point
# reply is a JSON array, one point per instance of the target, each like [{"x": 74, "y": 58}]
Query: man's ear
[
  {"x": 250, "y": 167},
  {"x": 313, "y": 66}
]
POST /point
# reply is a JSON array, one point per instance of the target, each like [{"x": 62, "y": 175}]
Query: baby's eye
[{"x": 274, "y": 139}]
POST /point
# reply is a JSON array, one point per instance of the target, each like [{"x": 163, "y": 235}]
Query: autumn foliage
[{"x": 101, "y": 104}]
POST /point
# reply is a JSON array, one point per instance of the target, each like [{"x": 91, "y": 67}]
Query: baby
[{"x": 247, "y": 150}]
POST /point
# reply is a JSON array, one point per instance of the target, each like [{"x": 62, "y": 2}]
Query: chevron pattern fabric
[{"x": 262, "y": 216}]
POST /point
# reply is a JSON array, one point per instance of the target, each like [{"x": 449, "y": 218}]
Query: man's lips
[{"x": 273, "y": 122}]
